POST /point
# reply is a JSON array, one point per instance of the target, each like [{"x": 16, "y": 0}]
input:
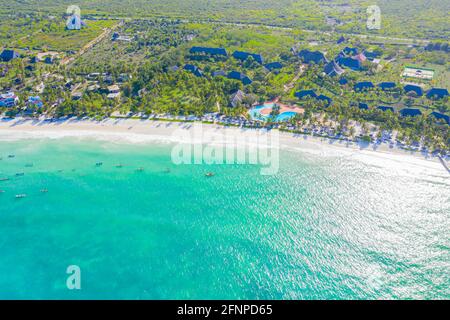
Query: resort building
[
  {"x": 194, "y": 70},
  {"x": 8, "y": 55},
  {"x": 361, "y": 58},
  {"x": 371, "y": 56},
  {"x": 441, "y": 117},
  {"x": 308, "y": 57},
  {"x": 209, "y": 51},
  {"x": 114, "y": 92},
  {"x": 363, "y": 86},
  {"x": 35, "y": 101},
  {"x": 48, "y": 60},
  {"x": 413, "y": 89},
  {"x": 219, "y": 73},
  {"x": 241, "y": 77},
  {"x": 306, "y": 94},
  {"x": 117, "y": 37},
  {"x": 383, "y": 108},
  {"x": 350, "y": 63},
  {"x": 332, "y": 69},
  {"x": 273, "y": 66},
  {"x": 237, "y": 98},
  {"x": 437, "y": 93},
  {"x": 77, "y": 95},
  {"x": 8, "y": 100},
  {"x": 350, "y": 51},
  {"x": 363, "y": 106},
  {"x": 386, "y": 86},
  {"x": 341, "y": 40},
  {"x": 410, "y": 112},
  {"x": 327, "y": 100},
  {"x": 343, "y": 81},
  {"x": 241, "y": 55}
]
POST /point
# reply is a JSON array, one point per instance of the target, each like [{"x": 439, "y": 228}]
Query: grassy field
[
  {"x": 406, "y": 18},
  {"x": 56, "y": 37}
]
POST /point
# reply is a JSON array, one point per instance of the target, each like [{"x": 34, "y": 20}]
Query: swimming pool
[{"x": 262, "y": 113}]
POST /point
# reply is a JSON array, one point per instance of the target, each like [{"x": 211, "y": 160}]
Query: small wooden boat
[
  {"x": 44, "y": 190},
  {"x": 209, "y": 174},
  {"x": 20, "y": 174},
  {"x": 2, "y": 191},
  {"x": 167, "y": 170},
  {"x": 29, "y": 165},
  {"x": 4, "y": 179},
  {"x": 140, "y": 169},
  {"x": 99, "y": 164},
  {"x": 20, "y": 196},
  {"x": 120, "y": 165},
  {"x": 11, "y": 156}
]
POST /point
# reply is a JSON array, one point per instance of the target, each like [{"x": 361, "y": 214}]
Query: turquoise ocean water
[{"x": 324, "y": 227}]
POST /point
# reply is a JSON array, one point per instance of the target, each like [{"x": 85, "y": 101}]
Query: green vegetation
[
  {"x": 407, "y": 18},
  {"x": 148, "y": 58}
]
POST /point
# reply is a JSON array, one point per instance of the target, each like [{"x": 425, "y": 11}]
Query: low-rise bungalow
[
  {"x": 413, "y": 89},
  {"x": 240, "y": 76},
  {"x": 114, "y": 92},
  {"x": 241, "y": 55},
  {"x": 332, "y": 69},
  {"x": 306, "y": 94},
  {"x": 273, "y": 66},
  {"x": 8, "y": 100},
  {"x": 363, "y": 86},
  {"x": 350, "y": 63},
  {"x": 308, "y": 57},
  {"x": 363, "y": 106},
  {"x": 386, "y": 86},
  {"x": 236, "y": 98},
  {"x": 123, "y": 77},
  {"x": 440, "y": 117},
  {"x": 372, "y": 55},
  {"x": 341, "y": 40},
  {"x": 77, "y": 95},
  {"x": 35, "y": 101},
  {"x": 410, "y": 112},
  {"x": 8, "y": 55},
  {"x": 437, "y": 93},
  {"x": 350, "y": 51},
  {"x": 327, "y": 100},
  {"x": 209, "y": 51},
  {"x": 219, "y": 73},
  {"x": 49, "y": 60},
  {"x": 343, "y": 81},
  {"x": 93, "y": 88},
  {"x": 194, "y": 70},
  {"x": 383, "y": 108},
  {"x": 360, "y": 57}
]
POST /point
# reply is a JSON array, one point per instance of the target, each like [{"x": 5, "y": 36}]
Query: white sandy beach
[{"x": 142, "y": 131}]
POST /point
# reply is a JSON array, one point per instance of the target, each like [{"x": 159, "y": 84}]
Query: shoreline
[{"x": 144, "y": 131}]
